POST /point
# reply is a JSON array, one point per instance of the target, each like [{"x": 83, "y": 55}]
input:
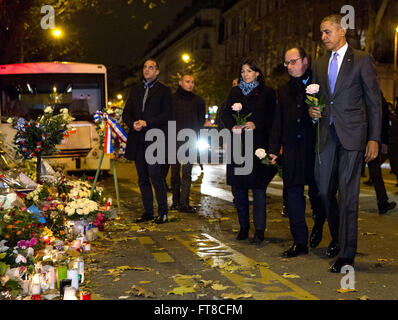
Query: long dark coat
[
  {"x": 157, "y": 113},
  {"x": 294, "y": 130},
  {"x": 261, "y": 103}
]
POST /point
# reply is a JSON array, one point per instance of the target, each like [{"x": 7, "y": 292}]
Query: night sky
[{"x": 119, "y": 39}]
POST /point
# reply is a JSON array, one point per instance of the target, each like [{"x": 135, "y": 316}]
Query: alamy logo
[
  {"x": 348, "y": 21},
  {"x": 348, "y": 281},
  {"x": 237, "y": 152},
  {"x": 48, "y": 21}
]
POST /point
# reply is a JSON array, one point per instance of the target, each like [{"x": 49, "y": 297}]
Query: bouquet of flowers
[
  {"x": 81, "y": 209},
  {"x": 312, "y": 101},
  {"x": 240, "y": 121},
  {"x": 41, "y": 193},
  {"x": 265, "y": 159},
  {"x": 81, "y": 189}
]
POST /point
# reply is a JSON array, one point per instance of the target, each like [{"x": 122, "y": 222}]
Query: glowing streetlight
[
  {"x": 186, "y": 57},
  {"x": 120, "y": 97},
  {"x": 57, "y": 33}
]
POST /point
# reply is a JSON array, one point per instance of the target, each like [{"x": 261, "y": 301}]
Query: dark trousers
[
  {"x": 377, "y": 179},
  {"x": 296, "y": 209},
  {"x": 340, "y": 169},
  {"x": 259, "y": 208},
  {"x": 181, "y": 185},
  {"x": 148, "y": 176}
]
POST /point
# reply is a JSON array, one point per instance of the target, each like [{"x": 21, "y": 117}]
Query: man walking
[
  {"x": 188, "y": 110},
  {"x": 294, "y": 130},
  {"x": 148, "y": 107},
  {"x": 350, "y": 127}
]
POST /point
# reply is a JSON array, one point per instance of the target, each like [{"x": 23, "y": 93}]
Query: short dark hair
[
  {"x": 252, "y": 63},
  {"x": 154, "y": 60},
  {"x": 335, "y": 18},
  {"x": 300, "y": 50}
]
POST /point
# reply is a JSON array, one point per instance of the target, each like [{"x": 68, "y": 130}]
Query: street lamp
[
  {"x": 57, "y": 33},
  {"x": 120, "y": 97},
  {"x": 186, "y": 57}
]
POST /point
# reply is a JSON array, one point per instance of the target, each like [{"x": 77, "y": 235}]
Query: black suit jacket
[
  {"x": 356, "y": 102},
  {"x": 157, "y": 112}
]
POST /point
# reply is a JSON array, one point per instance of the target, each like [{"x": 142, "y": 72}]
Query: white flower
[
  {"x": 312, "y": 89},
  {"x": 48, "y": 110},
  {"x": 30, "y": 252},
  {"x": 9, "y": 120},
  {"x": 237, "y": 106},
  {"x": 3, "y": 247},
  {"x": 64, "y": 111},
  {"x": 20, "y": 258},
  {"x": 260, "y": 153}
]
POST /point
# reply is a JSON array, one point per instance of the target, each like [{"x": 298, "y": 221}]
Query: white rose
[
  {"x": 237, "y": 106},
  {"x": 312, "y": 89},
  {"x": 260, "y": 153},
  {"x": 9, "y": 120}
]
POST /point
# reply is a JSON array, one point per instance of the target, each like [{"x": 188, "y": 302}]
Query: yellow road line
[
  {"x": 162, "y": 257},
  {"x": 236, "y": 267},
  {"x": 145, "y": 240}
]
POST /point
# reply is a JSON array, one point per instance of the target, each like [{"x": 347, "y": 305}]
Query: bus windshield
[{"x": 27, "y": 95}]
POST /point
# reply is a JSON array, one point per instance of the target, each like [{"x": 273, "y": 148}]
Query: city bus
[{"x": 26, "y": 89}]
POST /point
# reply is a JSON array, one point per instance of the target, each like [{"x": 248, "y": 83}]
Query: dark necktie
[{"x": 145, "y": 97}]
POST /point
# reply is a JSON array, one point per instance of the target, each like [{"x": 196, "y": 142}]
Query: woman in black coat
[{"x": 258, "y": 100}]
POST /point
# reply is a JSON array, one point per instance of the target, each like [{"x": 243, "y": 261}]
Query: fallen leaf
[
  {"x": 117, "y": 279},
  {"x": 169, "y": 238},
  {"x": 124, "y": 297},
  {"x": 318, "y": 282},
  {"x": 290, "y": 275},
  {"x": 234, "y": 296},
  {"x": 368, "y": 234},
  {"x": 181, "y": 291},
  {"x": 219, "y": 287},
  {"x": 188, "y": 230},
  {"x": 364, "y": 298},
  {"x": 206, "y": 283},
  {"x": 138, "y": 291},
  {"x": 343, "y": 290},
  {"x": 145, "y": 282}
]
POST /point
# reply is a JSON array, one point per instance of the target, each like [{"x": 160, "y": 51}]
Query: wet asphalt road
[{"x": 196, "y": 256}]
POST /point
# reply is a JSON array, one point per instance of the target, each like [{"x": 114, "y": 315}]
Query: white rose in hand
[
  {"x": 237, "y": 106},
  {"x": 312, "y": 89},
  {"x": 260, "y": 153}
]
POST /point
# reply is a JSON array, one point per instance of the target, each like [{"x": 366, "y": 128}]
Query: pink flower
[
  {"x": 312, "y": 89},
  {"x": 237, "y": 106}
]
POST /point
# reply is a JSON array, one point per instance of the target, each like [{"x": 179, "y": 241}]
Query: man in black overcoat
[
  {"x": 148, "y": 107},
  {"x": 294, "y": 130}
]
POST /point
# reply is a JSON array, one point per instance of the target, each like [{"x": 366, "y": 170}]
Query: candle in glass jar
[
  {"x": 36, "y": 289},
  {"x": 73, "y": 274},
  {"x": 90, "y": 235},
  {"x": 61, "y": 274},
  {"x": 70, "y": 293}
]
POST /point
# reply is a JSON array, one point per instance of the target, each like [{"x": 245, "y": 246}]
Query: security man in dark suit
[
  {"x": 148, "y": 107},
  {"x": 350, "y": 128},
  {"x": 294, "y": 130}
]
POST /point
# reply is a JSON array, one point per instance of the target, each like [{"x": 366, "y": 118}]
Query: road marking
[
  {"x": 236, "y": 267},
  {"x": 145, "y": 240},
  {"x": 162, "y": 257}
]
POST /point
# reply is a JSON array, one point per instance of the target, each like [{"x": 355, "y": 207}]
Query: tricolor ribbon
[{"x": 112, "y": 131}]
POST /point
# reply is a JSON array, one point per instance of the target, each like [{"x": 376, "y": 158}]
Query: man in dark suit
[
  {"x": 294, "y": 130},
  {"x": 148, "y": 107},
  {"x": 350, "y": 127}
]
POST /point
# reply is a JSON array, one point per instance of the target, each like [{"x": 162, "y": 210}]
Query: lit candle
[
  {"x": 79, "y": 265},
  {"x": 73, "y": 274},
  {"x": 36, "y": 289},
  {"x": 70, "y": 293}
]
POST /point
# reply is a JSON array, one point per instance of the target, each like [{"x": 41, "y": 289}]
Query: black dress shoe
[
  {"x": 315, "y": 237},
  {"x": 174, "y": 207},
  {"x": 243, "y": 234},
  {"x": 144, "y": 218},
  {"x": 161, "y": 219},
  {"x": 339, "y": 263},
  {"x": 187, "y": 209},
  {"x": 384, "y": 207},
  {"x": 369, "y": 182},
  {"x": 333, "y": 249},
  {"x": 295, "y": 250},
  {"x": 258, "y": 237}
]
